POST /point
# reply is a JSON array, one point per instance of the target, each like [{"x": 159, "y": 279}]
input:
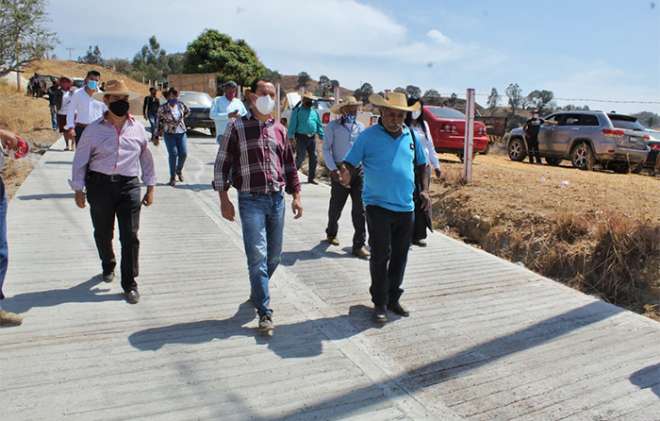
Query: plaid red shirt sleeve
[{"x": 255, "y": 157}]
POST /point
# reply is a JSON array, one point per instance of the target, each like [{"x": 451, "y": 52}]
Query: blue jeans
[
  {"x": 262, "y": 219},
  {"x": 152, "y": 122},
  {"x": 4, "y": 250},
  {"x": 177, "y": 149}
]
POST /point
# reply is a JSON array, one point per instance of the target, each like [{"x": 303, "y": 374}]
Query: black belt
[
  {"x": 308, "y": 136},
  {"x": 112, "y": 178}
]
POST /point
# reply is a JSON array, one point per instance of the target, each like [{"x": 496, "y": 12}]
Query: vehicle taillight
[
  {"x": 647, "y": 137},
  {"x": 481, "y": 131},
  {"x": 326, "y": 118},
  {"x": 655, "y": 146},
  {"x": 613, "y": 132},
  {"x": 450, "y": 128}
]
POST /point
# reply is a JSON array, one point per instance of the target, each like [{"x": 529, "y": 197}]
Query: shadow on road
[
  {"x": 648, "y": 378},
  {"x": 289, "y": 258}
]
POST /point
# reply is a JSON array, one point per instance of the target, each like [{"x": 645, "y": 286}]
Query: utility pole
[{"x": 70, "y": 50}]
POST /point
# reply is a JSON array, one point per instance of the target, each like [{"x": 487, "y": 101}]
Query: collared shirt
[
  {"x": 255, "y": 157},
  {"x": 220, "y": 111},
  {"x": 104, "y": 149},
  {"x": 83, "y": 109},
  {"x": 389, "y": 173},
  {"x": 305, "y": 121},
  {"x": 150, "y": 105},
  {"x": 66, "y": 102},
  {"x": 339, "y": 139},
  {"x": 429, "y": 147},
  {"x": 172, "y": 119}
]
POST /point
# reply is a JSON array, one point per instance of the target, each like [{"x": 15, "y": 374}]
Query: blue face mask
[
  {"x": 349, "y": 118},
  {"x": 93, "y": 85},
  {"x": 172, "y": 101}
]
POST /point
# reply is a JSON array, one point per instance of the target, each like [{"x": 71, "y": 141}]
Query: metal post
[
  {"x": 469, "y": 135},
  {"x": 278, "y": 87}
]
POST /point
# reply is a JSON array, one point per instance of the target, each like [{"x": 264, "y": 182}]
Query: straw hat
[
  {"x": 393, "y": 100},
  {"x": 65, "y": 78},
  {"x": 115, "y": 87},
  {"x": 309, "y": 95},
  {"x": 346, "y": 101}
]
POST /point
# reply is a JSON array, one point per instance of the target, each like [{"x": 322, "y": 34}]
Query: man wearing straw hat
[
  {"x": 111, "y": 153},
  {"x": 305, "y": 124},
  {"x": 340, "y": 134},
  {"x": 389, "y": 155}
]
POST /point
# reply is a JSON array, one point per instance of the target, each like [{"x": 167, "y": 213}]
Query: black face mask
[{"x": 119, "y": 108}]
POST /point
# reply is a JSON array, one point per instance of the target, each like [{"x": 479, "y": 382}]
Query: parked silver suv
[{"x": 586, "y": 138}]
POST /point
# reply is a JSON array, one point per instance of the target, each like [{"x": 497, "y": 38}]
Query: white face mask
[
  {"x": 416, "y": 114},
  {"x": 265, "y": 105}
]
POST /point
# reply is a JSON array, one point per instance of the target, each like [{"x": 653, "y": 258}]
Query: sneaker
[
  {"x": 266, "y": 323},
  {"x": 133, "y": 296},
  {"x": 180, "y": 175},
  {"x": 332, "y": 240},
  {"x": 314, "y": 182},
  {"x": 419, "y": 243},
  {"x": 8, "y": 319},
  {"x": 108, "y": 277},
  {"x": 361, "y": 253},
  {"x": 172, "y": 181},
  {"x": 380, "y": 314},
  {"x": 397, "y": 309}
]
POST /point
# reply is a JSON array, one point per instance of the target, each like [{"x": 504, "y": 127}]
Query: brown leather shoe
[
  {"x": 361, "y": 253},
  {"x": 397, "y": 309},
  {"x": 8, "y": 319},
  {"x": 332, "y": 240}
]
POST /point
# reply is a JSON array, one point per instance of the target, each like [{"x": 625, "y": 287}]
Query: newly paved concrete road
[{"x": 487, "y": 340}]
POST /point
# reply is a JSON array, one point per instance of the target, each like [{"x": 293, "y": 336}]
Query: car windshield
[
  {"x": 446, "y": 112},
  {"x": 323, "y": 105},
  {"x": 626, "y": 123},
  {"x": 196, "y": 99}
]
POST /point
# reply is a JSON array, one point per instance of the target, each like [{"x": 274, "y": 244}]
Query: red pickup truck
[{"x": 448, "y": 130}]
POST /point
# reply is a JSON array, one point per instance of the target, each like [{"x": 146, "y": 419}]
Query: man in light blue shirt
[
  {"x": 389, "y": 156},
  {"x": 225, "y": 108},
  {"x": 340, "y": 134}
]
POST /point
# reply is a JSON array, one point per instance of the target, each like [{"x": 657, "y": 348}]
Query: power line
[{"x": 601, "y": 100}]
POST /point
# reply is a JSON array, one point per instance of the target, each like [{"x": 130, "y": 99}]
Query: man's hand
[
  {"x": 148, "y": 199},
  {"x": 80, "y": 199},
  {"x": 335, "y": 175},
  {"x": 155, "y": 140},
  {"x": 233, "y": 114},
  {"x": 296, "y": 206},
  {"x": 71, "y": 133},
  {"x": 437, "y": 172},
  {"x": 226, "y": 207},
  {"x": 9, "y": 139},
  {"x": 426, "y": 200},
  {"x": 345, "y": 176}
]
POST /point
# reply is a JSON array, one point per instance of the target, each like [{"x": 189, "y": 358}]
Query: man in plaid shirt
[{"x": 255, "y": 157}]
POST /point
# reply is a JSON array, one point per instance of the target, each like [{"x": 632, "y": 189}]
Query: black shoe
[
  {"x": 397, "y": 309},
  {"x": 180, "y": 175},
  {"x": 132, "y": 296},
  {"x": 266, "y": 323},
  {"x": 380, "y": 314},
  {"x": 108, "y": 277},
  {"x": 172, "y": 181},
  {"x": 419, "y": 243},
  {"x": 313, "y": 182}
]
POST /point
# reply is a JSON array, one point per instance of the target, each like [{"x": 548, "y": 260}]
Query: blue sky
[{"x": 578, "y": 49}]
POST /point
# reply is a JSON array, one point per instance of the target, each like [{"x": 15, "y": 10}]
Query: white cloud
[{"x": 438, "y": 37}]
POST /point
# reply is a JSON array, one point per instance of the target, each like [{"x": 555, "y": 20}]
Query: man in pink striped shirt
[{"x": 110, "y": 156}]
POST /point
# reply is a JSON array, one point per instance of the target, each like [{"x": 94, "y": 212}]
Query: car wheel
[
  {"x": 213, "y": 133},
  {"x": 621, "y": 168},
  {"x": 517, "y": 150},
  {"x": 485, "y": 151},
  {"x": 582, "y": 157},
  {"x": 553, "y": 161}
]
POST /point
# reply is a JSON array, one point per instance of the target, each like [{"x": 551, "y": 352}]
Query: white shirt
[
  {"x": 220, "y": 111},
  {"x": 429, "y": 149},
  {"x": 66, "y": 101},
  {"x": 83, "y": 109}
]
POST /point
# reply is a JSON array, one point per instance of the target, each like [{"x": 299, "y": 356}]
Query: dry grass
[{"x": 598, "y": 232}]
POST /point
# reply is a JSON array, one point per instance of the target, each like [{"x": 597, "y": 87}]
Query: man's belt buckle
[{"x": 114, "y": 178}]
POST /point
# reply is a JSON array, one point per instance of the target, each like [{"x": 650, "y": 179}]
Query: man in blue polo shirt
[{"x": 388, "y": 154}]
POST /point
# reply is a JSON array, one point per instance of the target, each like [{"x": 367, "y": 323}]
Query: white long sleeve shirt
[
  {"x": 220, "y": 111},
  {"x": 83, "y": 109},
  {"x": 66, "y": 102},
  {"x": 429, "y": 149}
]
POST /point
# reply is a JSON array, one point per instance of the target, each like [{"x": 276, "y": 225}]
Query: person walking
[
  {"x": 226, "y": 108},
  {"x": 255, "y": 158},
  {"x": 9, "y": 141},
  {"x": 420, "y": 129},
  {"x": 54, "y": 102},
  {"x": 389, "y": 156},
  {"x": 172, "y": 126},
  {"x": 150, "y": 107},
  {"x": 531, "y": 129},
  {"x": 84, "y": 109},
  {"x": 63, "y": 108},
  {"x": 304, "y": 126},
  {"x": 340, "y": 134},
  {"x": 110, "y": 156}
]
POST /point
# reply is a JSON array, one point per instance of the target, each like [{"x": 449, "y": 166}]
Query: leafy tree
[
  {"x": 215, "y": 52},
  {"x": 363, "y": 92},
  {"x": 540, "y": 99},
  {"x": 93, "y": 56},
  {"x": 120, "y": 65},
  {"x": 400, "y": 90},
  {"x": 303, "y": 78},
  {"x": 334, "y": 83},
  {"x": 272, "y": 75},
  {"x": 324, "y": 86},
  {"x": 176, "y": 63},
  {"x": 23, "y": 35},
  {"x": 514, "y": 93},
  {"x": 413, "y": 91},
  {"x": 493, "y": 99},
  {"x": 453, "y": 99},
  {"x": 151, "y": 62},
  {"x": 648, "y": 119},
  {"x": 432, "y": 97}
]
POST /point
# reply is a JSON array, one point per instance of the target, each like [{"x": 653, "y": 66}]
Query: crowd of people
[{"x": 385, "y": 169}]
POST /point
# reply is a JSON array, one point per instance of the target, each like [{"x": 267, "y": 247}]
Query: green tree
[
  {"x": 272, "y": 75},
  {"x": 151, "y": 62},
  {"x": 93, "y": 56},
  {"x": 215, "y": 52},
  {"x": 413, "y": 91},
  {"x": 303, "y": 78},
  {"x": 324, "y": 86},
  {"x": 23, "y": 34},
  {"x": 453, "y": 99},
  {"x": 363, "y": 92},
  {"x": 400, "y": 90},
  {"x": 540, "y": 99},
  {"x": 514, "y": 93},
  {"x": 432, "y": 97},
  {"x": 120, "y": 65},
  {"x": 493, "y": 99}
]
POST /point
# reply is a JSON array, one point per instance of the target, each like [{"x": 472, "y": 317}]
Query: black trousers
[
  {"x": 533, "y": 148},
  {"x": 79, "y": 130},
  {"x": 419, "y": 230},
  {"x": 306, "y": 146},
  {"x": 122, "y": 200},
  {"x": 389, "y": 239},
  {"x": 338, "y": 196}
]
